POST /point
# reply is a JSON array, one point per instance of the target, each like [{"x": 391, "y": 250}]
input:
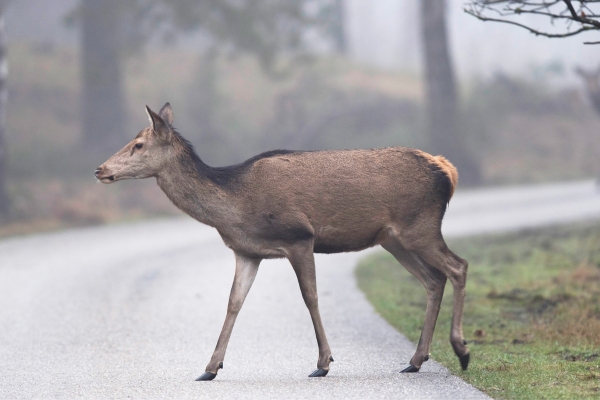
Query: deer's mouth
[{"x": 107, "y": 179}]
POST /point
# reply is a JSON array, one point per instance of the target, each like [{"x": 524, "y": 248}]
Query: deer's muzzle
[{"x": 102, "y": 175}]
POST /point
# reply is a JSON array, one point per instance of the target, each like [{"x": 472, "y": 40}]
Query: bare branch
[
  {"x": 534, "y": 31},
  {"x": 569, "y": 11},
  {"x": 580, "y": 18}
]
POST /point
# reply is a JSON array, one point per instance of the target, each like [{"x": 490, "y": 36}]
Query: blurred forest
[{"x": 250, "y": 76}]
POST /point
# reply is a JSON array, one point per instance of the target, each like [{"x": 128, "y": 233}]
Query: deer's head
[{"x": 145, "y": 155}]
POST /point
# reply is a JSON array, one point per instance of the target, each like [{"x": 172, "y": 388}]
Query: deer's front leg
[
  {"x": 303, "y": 262},
  {"x": 245, "y": 272}
]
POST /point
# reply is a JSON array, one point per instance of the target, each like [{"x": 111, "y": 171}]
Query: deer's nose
[{"x": 97, "y": 172}]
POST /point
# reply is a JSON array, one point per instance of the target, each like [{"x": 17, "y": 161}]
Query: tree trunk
[
  {"x": 202, "y": 102},
  {"x": 338, "y": 26},
  {"x": 441, "y": 99},
  {"x": 4, "y": 198},
  {"x": 103, "y": 105}
]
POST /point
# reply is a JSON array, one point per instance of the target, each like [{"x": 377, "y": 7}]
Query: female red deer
[{"x": 295, "y": 203}]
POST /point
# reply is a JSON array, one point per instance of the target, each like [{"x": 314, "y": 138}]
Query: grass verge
[{"x": 532, "y": 311}]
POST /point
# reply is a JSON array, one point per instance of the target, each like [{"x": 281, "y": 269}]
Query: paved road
[{"x": 135, "y": 310}]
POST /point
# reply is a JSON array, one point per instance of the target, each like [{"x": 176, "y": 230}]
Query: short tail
[{"x": 449, "y": 170}]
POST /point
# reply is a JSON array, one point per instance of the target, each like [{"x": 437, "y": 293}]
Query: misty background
[{"x": 313, "y": 74}]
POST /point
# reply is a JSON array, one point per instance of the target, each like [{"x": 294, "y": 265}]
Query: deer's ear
[
  {"x": 166, "y": 113},
  {"x": 159, "y": 127}
]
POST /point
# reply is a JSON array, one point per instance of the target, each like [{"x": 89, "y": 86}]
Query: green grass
[{"x": 532, "y": 311}]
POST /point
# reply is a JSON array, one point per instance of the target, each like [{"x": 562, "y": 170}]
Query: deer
[{"x": 293, "y": 204}]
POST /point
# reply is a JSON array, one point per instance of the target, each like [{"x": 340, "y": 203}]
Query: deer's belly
[
  {"x": 273, "y": 243},
  {"x": 331, "y": 240}
]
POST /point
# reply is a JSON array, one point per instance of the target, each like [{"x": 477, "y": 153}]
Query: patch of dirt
[
  {"x": 579, "y": 356},
  {"x": 529, "y": 303}
]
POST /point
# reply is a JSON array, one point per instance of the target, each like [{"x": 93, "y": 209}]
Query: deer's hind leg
[
  {"x": 432, "y": 250},
  {"x": 434, "y": 282}
]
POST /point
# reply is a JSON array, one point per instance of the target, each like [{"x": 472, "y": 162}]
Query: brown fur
[{"x": 292, "y": 204}]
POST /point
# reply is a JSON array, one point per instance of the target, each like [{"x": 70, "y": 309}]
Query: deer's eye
[{"x": 139, "y": 145}]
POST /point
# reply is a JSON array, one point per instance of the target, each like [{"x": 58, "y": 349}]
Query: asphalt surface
[{"x": 134, "y": 311}]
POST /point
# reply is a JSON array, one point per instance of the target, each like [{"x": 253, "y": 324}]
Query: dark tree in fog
[
  {"x": 441, "y": 98},
  {"x": 568, "y": 17},
  {"x": 333, "y": 15},
  {"x": 103, "y": 103},
  {"x": 202, "y": 100},
  {"x": 591, "y": 82},
  {"x": 4, "y": 198}
]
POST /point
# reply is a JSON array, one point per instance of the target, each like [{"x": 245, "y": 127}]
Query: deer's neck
[{"x": 188, "y": 185}]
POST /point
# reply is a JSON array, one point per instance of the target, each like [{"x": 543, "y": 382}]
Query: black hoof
[
  {"x": 319, "y": 373},
  {"x": 207, "y": 376},
  {"x": 464, "y": 361},
  {"x": 410, "y": 368}
]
